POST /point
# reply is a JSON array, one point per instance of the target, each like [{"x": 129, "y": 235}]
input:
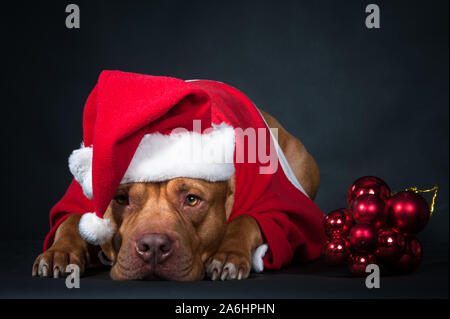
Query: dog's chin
[
  {"x": 148, "y": 272},
  {"x": 138, "y": 274}
]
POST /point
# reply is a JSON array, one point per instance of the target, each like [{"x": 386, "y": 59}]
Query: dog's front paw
[
  {"x": 228, "y": 265},
  {"x": 54, "y": 261}
]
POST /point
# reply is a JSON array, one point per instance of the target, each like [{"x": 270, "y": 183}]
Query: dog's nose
[{"x": 154, "y": 247}]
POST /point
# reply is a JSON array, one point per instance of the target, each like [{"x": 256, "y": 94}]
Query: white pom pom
[
  {"x": 257, "y": 258},
  {"x": 80, "y": 165},
  {"x": 95, "y": 230}
]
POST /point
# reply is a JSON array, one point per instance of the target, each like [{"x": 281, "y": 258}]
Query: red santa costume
[{"x": 128, "y": 136}]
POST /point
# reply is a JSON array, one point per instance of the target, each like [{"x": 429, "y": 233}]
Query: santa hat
[{"x": 139, "y": 128}]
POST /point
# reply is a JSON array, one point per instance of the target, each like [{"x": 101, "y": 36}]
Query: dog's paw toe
[
  {"x": 53, "y": 263},
  {"x": 228, "y": 266}
]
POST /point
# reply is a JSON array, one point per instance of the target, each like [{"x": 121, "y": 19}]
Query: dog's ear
[{"x": 229, "y": 201}]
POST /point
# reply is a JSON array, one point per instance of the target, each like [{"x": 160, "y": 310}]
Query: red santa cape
[{"x": 125, "y": 111}]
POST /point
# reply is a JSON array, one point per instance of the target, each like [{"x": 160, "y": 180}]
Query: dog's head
[{"x": 167, "y": 230}]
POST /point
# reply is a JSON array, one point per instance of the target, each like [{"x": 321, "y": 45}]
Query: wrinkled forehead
[{"x": 180, "y": 184}]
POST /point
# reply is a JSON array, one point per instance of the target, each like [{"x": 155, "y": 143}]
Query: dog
[{"x": 175, "y": 229}]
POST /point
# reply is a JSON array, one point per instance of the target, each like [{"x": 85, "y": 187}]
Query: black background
[{"x": 363, "y": 101}]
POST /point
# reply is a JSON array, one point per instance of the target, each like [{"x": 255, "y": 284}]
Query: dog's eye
[
  {"x": 121, "y": 199},
  {"x": 192, "y": 200}
]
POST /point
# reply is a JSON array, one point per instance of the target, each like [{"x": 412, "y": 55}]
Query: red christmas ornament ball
[
  {"x": 357, "y": 264},
  {"x": 338, "y": 223},
  {"x": 408, "y": 212},
  {"x": 335, "y": 251},
  {"x": 368, "y": 185},
  {"x": 363, "y": 238},
  {"x": 412, "y": 257},
  {"x": 369, "y": 209},
  {"x": 390, "y": 246}
]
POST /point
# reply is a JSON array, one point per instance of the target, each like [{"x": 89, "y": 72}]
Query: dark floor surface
[{"x": 313, "y": 280}]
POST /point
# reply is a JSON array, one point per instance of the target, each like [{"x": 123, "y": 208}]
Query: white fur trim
[
  {"x": 257, "y": 258},
  {"x": 95, "y": 230},
  {"x": 80, "y": 165},
  {"x": 208, "y": 156}
]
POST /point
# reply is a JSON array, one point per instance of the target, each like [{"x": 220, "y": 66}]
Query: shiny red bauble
[
  {"x": 338, "y": 223},
  {"x": 408, "y": 212},
  {"x": 368, "y": 185},
  {"x": 335, "y": 251},
  {"x": 357, "y": 264},
  {"x": 412, "y": 257},
  {"x": 390, "y": 246},
  {"x": 363, "y": 238},
  {"x": 369, "y": 209}
]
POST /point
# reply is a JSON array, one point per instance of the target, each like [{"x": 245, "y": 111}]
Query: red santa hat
[{"x": 139, "y": 128}]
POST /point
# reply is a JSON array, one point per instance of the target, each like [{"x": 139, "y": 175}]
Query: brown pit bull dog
[
  {"x": 176, "y": 229},
  {"x": 180, "y": 246}
]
